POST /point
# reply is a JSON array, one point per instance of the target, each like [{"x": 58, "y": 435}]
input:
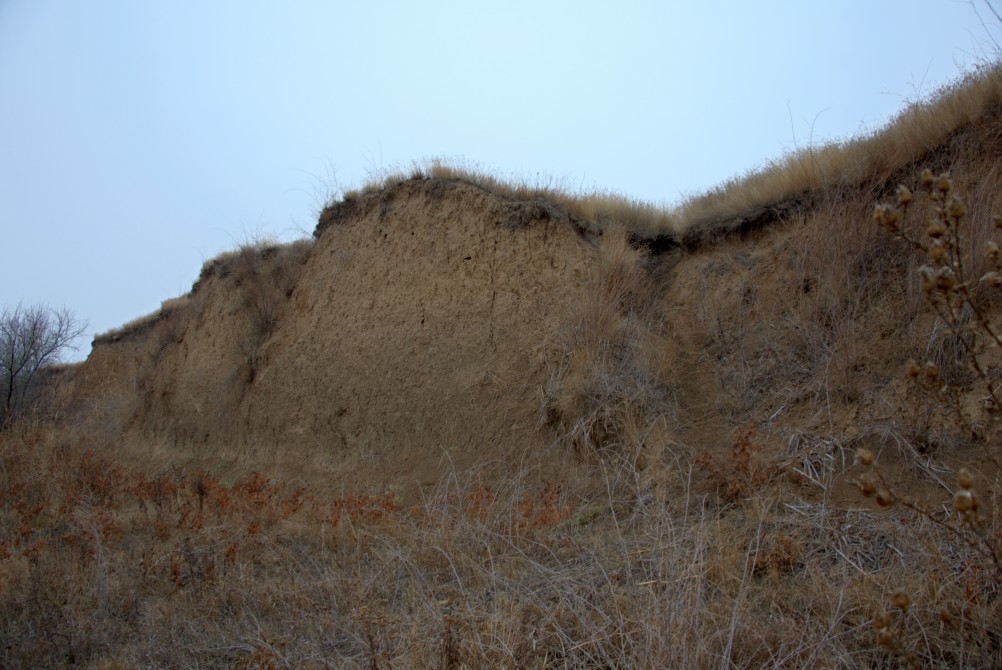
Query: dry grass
[
  {"x": 604, "y": 208},
  {"x": 612, "y": 389},
  {"x": 248, "y": 255},
  {"x": 106, "y": 564},
  {"x": 920, "y": 128},
  {"x": 827, "y": 309},
  {"x": 167, "y": 307},
  {"x": 265, "y": 274}
]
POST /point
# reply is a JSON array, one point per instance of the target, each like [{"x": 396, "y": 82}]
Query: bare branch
[{"x": 30, "y": 338}]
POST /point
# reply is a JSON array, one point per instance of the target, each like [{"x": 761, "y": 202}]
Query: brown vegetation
[
  {"x": 479, "y": 425},
  {"x": 766, "y": 193}
]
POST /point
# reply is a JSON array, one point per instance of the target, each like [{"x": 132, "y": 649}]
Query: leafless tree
[{"x": 30, "y": 338}]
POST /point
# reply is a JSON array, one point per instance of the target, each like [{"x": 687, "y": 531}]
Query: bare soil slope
[
  {"x": 411, "y": 339},
  {"x": 417, "y": 337},
  {"x": 434, "y": 325}
]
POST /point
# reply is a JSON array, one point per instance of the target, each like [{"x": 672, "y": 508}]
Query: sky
[{"x": 140, "y": 139}]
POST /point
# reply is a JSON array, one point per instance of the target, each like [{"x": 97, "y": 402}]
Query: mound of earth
[
  {"x": 410, "y": 339},
  {"x": 436, "y": 326}
]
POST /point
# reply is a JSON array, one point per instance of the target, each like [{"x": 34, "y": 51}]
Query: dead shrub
[
  {"x": 849, "y": 287},
  {"x": 959, "y": 291},
  {"x": 743, "y": 472},
  {"x": 612, "y": 383}
]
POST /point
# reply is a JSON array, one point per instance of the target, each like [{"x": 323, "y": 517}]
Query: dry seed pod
[
  {"x": 944, "y": 279},
  {"x": 884, "y": 498},
  {"x": 885, "y": 637},
  {"x": 904, "y": 196},
  {"x": 943, "y": 184},
  {"x": 865, "y": 456},
  {"x": 867, "y": 487},
  {"x": 878, "y": 213},
  {"x": 881, "y": 620},
  {"x": 992, "y": 278},
  {"x": 927, "y": 178},
  {"x": 927, "y": 281},
  {"x": 935, "y": 230},
  {"x": 997, "y": 220},
  {"x": 964, "y": 501},
  {"x": 965, "y": 478},
  {"x": 992, "y": 250},
  {"x": 912, "y": 369},
  {"x": 901, "y": 599},
  {"x": 886, "y": 216},
  {"x": 956, "y": 208},
  {"x": 931, "y": 371},
  {"x": 936, "y": 251}
]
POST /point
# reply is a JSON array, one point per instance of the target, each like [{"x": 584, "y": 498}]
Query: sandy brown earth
[
  {"x": 461, "y": 427},
  {"x": 433, "y": 326},
  {"x": 415, "y": 341}
]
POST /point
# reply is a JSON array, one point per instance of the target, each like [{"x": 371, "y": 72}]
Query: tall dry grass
[
  {"x": 920, "y": 128},
  {"x": 264, "y": 274},
  {"x": 109, "y": 565},
  {"x": 604, "y": 208},
  {"x": 917, "y": 130},
  {"x": 612, "y": 392}
]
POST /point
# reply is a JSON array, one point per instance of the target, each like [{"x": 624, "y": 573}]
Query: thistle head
[{"x": 904, "y": 196}]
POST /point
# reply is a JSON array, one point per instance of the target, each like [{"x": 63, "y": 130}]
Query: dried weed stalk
[{"x": 961, "y": 295}]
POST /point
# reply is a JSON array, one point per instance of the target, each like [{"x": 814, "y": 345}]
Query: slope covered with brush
[{"x": 481, "y": 425}]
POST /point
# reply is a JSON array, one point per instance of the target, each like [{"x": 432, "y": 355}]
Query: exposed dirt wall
[
  {"x": 417, "y": 337},
  {"x": 430, "y": 326},
  {"x": 411, "y": 338}
]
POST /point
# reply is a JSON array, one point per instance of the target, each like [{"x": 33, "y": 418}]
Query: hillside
[
  {"x": 437, "y": 323},
  {"x": 411, "y": 337},
  {"x": 473, "y": 424}
]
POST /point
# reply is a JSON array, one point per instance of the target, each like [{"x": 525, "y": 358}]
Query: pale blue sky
[{"x": 138, "y": 139}]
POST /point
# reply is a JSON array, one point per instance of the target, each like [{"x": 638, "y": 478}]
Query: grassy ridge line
[
  {"x": 248, "y": 257},
  {"x": 917, "y": 130},
  {"x": 754, "y": 198}
]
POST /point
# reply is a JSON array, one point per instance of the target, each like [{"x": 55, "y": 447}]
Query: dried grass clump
[
  {"x": 106, "y": 562},
  {"x": 919, "y": 129},
  {"x": 254, "y": 251},
  {"x": 605, "y": 208},
  {"x": 812, "y": 314},
  {"x": 922, "y": 127},
  {"x": 611, "y": 394},
  {"x": 850, "y": 287},
  {"x": 264, "y": 273},
  {"x": 167, "y": 308}
]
